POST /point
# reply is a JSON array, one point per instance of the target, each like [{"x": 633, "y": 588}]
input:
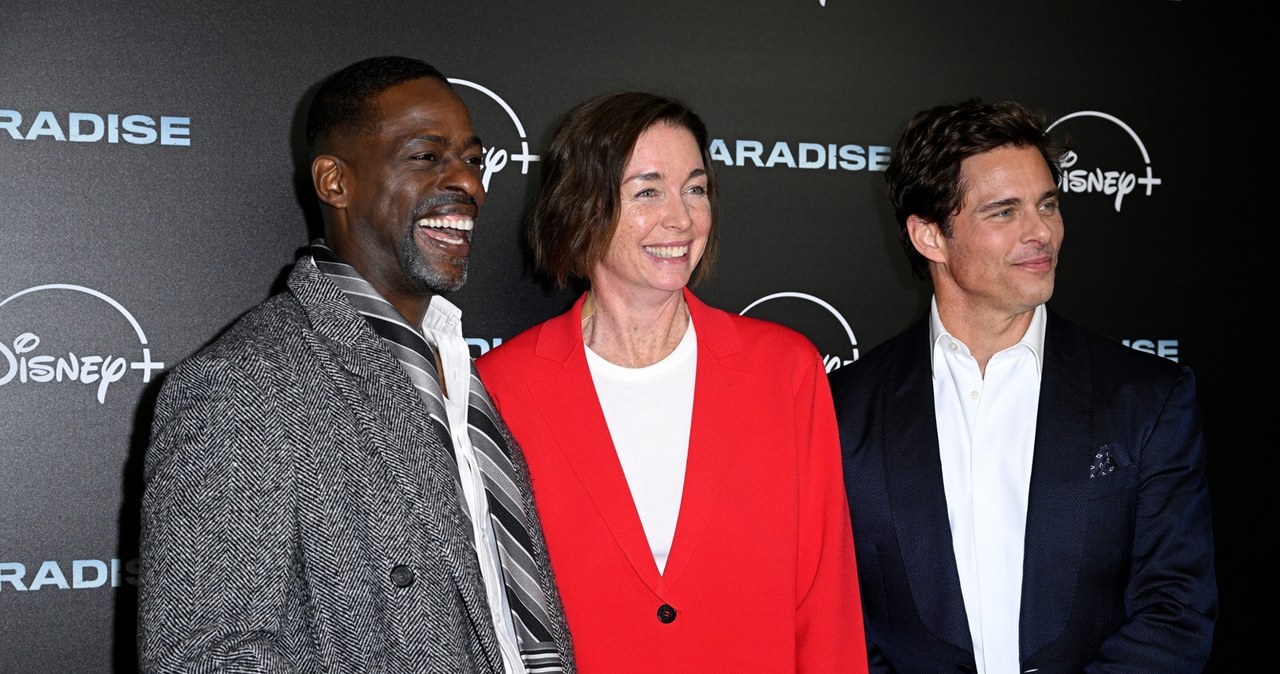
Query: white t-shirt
[{"x": 649, "y": 411}]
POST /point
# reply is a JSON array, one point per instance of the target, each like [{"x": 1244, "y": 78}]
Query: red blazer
[{"x": 761, "y": 575}]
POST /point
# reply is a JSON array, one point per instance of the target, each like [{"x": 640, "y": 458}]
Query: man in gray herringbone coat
[{"x": 313, "y": 502}]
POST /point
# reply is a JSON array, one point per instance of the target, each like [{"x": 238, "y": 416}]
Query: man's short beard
[{"x": 428, "y": 277}]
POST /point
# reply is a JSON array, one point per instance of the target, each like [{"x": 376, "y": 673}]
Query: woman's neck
[{"x": 632, "y": 334}]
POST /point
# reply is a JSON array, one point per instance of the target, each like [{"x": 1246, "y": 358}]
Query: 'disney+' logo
[
  {"x": 501, "y": 146},
  {"x": 814, "y": 318},
  {"x": 48, "y": 333},
  {"x": 1102, "y": 157}
]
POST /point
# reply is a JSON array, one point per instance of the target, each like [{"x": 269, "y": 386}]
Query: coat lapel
[
  {"x": 382, "y": 396},
  {"x": 1059, "y": 487},
  {"x": 913, "y": 471},
  {"x": 582, "y": 436},
  {"x": 569, "y": 403},
  {"x": 383, "y": 399},
  {"x": 720, "y": 373}
]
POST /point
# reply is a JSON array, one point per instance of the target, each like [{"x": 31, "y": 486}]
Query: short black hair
[{"x": 341, "y": 104}]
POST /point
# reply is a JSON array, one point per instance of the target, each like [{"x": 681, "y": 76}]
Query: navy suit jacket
[{"x": 1118, "y": 568}]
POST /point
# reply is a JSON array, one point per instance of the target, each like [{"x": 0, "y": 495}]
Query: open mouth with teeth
[
  {"x": 446, "y": 233},
  {"x": 667, "y": 252}
]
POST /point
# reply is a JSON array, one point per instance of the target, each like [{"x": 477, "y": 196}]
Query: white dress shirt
[
  {"x": 986, "y": 437},
  {"x": 442, "y": 326}
]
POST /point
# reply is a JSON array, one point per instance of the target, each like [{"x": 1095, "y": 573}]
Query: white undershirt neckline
[{"x": 649, "y": 412}]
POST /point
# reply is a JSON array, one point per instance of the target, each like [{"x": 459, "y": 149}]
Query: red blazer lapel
[
  {"x": 713, "y": 435},
  {"x": 569, "y": 403}
]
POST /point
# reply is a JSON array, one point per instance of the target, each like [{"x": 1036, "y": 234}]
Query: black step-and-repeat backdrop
[{"x": 153, "y": 188}]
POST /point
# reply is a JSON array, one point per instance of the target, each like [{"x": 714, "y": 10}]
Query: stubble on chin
[{"x": 446, "y": 275}]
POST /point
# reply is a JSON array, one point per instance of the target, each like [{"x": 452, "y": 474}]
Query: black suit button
[
  {"x": 666, "y": 614},
  {"x": 402, "y": 576}
]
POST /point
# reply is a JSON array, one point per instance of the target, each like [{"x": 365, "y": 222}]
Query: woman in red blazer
[{"x": 685, "y": 460}]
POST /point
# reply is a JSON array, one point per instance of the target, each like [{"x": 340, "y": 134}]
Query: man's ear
[
  {"x": 328, "y": 174},
  {"x": 927, "y": 238}
]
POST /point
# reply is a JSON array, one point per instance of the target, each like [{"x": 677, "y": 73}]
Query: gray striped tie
[{"x": 493, "y": 447}]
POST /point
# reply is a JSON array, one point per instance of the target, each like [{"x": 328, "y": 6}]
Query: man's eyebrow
[
  {"x": 436, "y": 138},
  {"x": 996, "y": 205},
  {"x": 999, "y": 204}
]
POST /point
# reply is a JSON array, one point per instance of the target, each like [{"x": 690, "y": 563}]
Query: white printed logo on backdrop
[
  {"x": 800, "y": 155},
  {"x": 49, "y": 336},
  {"x": 92, "y": 127},
  {"x": 85, "y": 574},
  {"x": 1108, "y": 157},
  {"x": 505, "y": 149},
  {"x": 1113, "y": 164},
  {"x": 813, "y": 317}
]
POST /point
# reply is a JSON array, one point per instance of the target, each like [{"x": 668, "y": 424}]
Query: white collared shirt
[
  {"x": 442, "y": 326},
  {"x": 986, "y": 438}
]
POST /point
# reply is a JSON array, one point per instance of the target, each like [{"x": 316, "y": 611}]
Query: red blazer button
[{"x": 666, "y": 613}]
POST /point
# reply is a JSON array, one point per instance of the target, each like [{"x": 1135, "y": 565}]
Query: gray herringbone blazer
[{"x": 299, "y": 515}]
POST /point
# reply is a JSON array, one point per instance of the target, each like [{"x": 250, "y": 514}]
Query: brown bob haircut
[{"x": 577, "y": 208}]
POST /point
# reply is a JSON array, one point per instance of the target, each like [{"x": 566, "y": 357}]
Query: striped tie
[{"x": 492, "y": 445}]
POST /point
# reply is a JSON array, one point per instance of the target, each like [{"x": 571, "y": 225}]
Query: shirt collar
[
  {"x": 1032, "y": 339},
  {"x": 442, "y": 316}
]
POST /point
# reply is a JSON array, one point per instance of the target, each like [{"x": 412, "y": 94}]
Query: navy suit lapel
[
  {"x": 1059, "y": 489},
  {"x": 913, "y": 472}
]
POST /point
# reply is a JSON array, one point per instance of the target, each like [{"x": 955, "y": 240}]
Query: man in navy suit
[{"x": 1027, "y": 496}]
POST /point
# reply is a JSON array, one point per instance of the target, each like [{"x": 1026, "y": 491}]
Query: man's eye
[{"x": 425, "y": 156}]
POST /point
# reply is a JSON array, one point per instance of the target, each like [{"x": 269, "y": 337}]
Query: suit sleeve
[
  {"x": 215, "y": 547},
  {"x": 829, "y": 632},
  {"x": 1171, "y": 598}
]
